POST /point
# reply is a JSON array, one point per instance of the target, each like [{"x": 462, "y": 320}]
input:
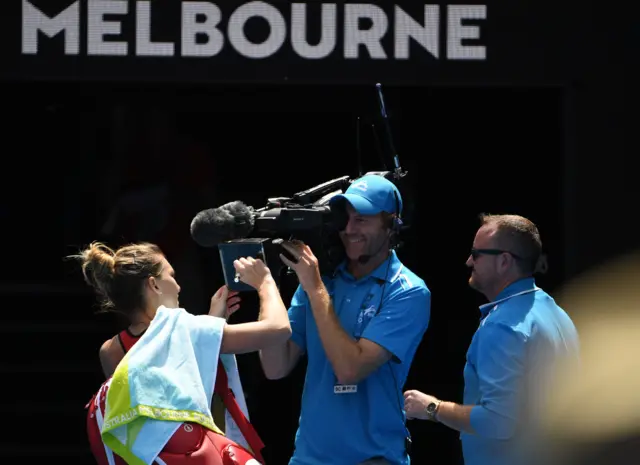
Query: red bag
[{"x": 192, "y": 443}]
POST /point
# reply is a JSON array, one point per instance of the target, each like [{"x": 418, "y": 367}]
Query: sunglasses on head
[{"x": 475, "y": 253}]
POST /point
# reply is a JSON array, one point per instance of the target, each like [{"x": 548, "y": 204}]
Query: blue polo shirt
[
  {"x": 523, "y": 333},
  {"x": 346, "y": 429}
]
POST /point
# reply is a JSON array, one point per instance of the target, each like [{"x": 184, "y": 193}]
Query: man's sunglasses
[{"x": 475, "y": 253}]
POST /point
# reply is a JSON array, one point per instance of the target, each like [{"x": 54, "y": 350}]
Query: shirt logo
[
  {"x": 366, "y": 314},
  {"x": 369, "y": 312},
  {"x": 364, "y": 317}
]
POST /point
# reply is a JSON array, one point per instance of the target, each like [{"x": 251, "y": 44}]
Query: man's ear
[{"x": 505, "y": 260}]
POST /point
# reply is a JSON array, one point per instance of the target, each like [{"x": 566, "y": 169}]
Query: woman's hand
[
  {"x": 252, "y": 271},
  {"x": 224, "y": 303}
]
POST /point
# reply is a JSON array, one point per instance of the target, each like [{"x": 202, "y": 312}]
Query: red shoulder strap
[
  {"x": 127, "y": 340},
  {"x": 230, "y": 402}
]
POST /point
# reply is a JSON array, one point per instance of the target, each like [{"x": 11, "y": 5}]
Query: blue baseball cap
[{"x": 372, "y": 194}]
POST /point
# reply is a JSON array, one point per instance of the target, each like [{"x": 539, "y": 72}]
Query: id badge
[{"x": 345, "y": 388}]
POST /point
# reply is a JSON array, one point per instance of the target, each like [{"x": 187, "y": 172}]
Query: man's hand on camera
[
  {"x": 224, "y": 302},
  {"x": 252, "y": 271},
  {"x": 307, "y": 264}
]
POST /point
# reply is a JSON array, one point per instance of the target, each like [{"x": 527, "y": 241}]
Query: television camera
[{"x": 239, "y": 230}]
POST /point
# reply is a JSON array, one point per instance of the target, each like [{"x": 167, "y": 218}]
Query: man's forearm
[
  {"x": 342, "y": 351},
  {"x": 455, "y": 416}
]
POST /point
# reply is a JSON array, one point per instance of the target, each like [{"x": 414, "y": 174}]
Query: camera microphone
[{"x": 233, "y": 220}]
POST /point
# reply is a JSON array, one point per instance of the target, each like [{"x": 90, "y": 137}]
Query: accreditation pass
[{"x": 345, "y": 388}]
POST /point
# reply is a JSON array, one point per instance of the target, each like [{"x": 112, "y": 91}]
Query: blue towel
[{"x": 167, "y": 378}]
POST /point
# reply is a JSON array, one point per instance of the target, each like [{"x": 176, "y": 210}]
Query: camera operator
[{"x": 360, "y": 328}]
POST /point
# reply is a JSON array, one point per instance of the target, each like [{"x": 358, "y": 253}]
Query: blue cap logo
[{"x": 371, "y": 195}]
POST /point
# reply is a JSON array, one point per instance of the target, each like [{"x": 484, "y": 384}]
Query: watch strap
[{"x": 432, "y": 410}]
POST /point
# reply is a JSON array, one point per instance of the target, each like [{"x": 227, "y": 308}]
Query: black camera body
[{"x": 307, "y": 217}]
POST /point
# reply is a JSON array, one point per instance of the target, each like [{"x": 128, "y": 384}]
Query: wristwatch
[{"x": 432, "y": 410}]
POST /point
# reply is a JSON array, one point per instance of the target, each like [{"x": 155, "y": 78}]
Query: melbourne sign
[
  {"x": 475, "y": 42},
  {"x": 201, "y": 30}
]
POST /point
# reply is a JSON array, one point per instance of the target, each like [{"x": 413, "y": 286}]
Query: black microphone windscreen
[{"x": 233, "y": 220}]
